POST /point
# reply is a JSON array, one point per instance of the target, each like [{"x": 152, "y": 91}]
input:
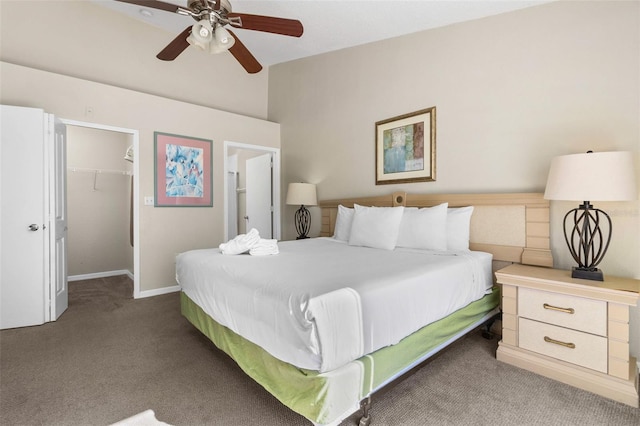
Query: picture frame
[
  {"x": 406, "y": 148},
  {"x": 182, "y": 171}
]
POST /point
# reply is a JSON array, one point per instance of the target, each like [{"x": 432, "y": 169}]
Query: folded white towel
[
  {"x": 242, "y": 243},
  {"x": 265, "y": 248}
]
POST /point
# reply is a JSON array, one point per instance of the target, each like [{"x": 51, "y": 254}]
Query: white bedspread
[{"x": 321, "y": 303}]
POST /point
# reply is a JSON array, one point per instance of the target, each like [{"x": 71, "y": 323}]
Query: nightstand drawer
[
  {"x": 572, "y": 346},
  {"x": 567, "y": 311}
]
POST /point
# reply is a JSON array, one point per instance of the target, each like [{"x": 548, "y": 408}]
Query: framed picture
[
  {"x": 183, "y": 175},
  {"x": 406, "y": 148}
]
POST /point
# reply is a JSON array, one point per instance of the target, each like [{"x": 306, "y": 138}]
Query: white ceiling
[{"x": 331, "y": 25}]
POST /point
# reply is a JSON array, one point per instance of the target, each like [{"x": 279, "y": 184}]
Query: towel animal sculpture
[{"x": 251, "y": 243}]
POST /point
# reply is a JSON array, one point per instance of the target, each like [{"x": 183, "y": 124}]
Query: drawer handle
[
  {"x": 555, "y": 308},
  {"x": 558, "y": 342}
]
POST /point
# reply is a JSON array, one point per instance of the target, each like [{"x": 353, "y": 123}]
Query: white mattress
[{"x": 321, "y": 303}]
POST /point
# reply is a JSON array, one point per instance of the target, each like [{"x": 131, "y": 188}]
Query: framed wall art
[
  {"x": 183, "y": 175},
  {"x": 406, "y": 148}
]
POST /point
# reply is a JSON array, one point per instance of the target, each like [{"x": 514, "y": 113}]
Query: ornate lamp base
[
  {"x": 594, "y": 274},
  {"x": 587, "y": 239},
  {"x": 303, "y": 222}
]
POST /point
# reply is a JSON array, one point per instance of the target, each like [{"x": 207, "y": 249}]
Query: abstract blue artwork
[{"x": 182, "y": 171}]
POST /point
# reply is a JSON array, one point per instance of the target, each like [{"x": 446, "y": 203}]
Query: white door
[
  {"x": 258, "y": 194},
  {"x": 59, "y": 293},
  {"x": 24, "y": 241},
  {"x": 232, "y": 207}
]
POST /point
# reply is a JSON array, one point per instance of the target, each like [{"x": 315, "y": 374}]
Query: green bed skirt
[{"x": 324, "y": 398}]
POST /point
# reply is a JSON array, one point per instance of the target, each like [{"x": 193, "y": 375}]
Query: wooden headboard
[{"x": 513, "y": 227}]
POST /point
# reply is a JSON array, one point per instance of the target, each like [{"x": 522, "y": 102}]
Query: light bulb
[
  {"x": 222, "y": 36},
  {"x": 222, "y": 40},
  {"x": 204, "y": 32}
]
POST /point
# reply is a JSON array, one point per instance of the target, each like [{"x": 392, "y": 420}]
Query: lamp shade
[
  {"x": 592, "y": 176},
  {"x": 300, "y": 194}
]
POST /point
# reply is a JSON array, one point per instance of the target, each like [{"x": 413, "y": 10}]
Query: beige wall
[
  {"x": 81, "y": 39},
  {"x": 98, "y": 201},
  {"x": 511, "y": 91},
  {"x": 163, "y": 231}
]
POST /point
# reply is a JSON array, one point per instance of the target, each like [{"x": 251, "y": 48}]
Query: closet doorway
[{"x": 102, "y": 194}]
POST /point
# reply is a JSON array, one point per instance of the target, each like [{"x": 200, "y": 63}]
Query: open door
[
  {"x": 33, "y": 272},
  {"x": 23, "y": 224},
  {"x": 259, "y": 195},
  {"x": 59, "y": 291}
]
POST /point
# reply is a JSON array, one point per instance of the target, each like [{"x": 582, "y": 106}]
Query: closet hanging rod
[{"x": 85, "y": 170}]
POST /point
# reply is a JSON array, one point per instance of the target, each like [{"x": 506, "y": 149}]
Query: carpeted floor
[{"x": 109, "y": 357}]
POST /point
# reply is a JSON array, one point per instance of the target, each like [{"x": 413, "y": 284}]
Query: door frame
[
  {"x": 135, "y": 135},
  {"x": 275, "y": 152}
]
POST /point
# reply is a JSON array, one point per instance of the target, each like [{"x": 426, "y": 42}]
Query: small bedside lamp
[
  {"x": 302, "y": 194},
  {"x": 600, "y": 176}
]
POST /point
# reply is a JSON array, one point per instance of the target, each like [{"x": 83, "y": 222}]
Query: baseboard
[
  {"x": 100, "y": 275},
  {"x": 140, "y": 295},
  {"x": 156, "y": 292}
]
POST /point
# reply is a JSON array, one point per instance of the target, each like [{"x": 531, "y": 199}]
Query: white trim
[
  {"x": 158, "y": 291},
  {"x": 135, "y": 134},
  {"x": 276, "y": 184},
  {"x": 104, "y": 274},
  {"x": 49, "y": 203},
  {"x": 141, "y": 294}
]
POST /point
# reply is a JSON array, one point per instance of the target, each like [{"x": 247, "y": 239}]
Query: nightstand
[{"x": 571, "y": 330}]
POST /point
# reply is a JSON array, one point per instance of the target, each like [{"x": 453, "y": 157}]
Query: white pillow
[
  {"x": 375, "y": 227},
  {"x": 343, "y": 223},
  {"x": 458, "y": 224},
  {"x": 424, "y": 228}
]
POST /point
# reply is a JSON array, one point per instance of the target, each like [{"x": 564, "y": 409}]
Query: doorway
[
  {"x": 251, "y": 181},
  {"x": 103, "y": 186}
]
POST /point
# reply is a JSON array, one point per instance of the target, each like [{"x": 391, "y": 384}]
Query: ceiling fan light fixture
[
  {"x": 222, "y": 36},
  {"x": 222, "y": 40},
  {"x": 201, "y": 34},
  {"x": 211, "y": 16}
]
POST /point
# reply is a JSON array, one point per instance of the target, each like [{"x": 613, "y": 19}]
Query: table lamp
[
  {"x": 592, "y": 176},
  {"x": 302, "y": 194}
]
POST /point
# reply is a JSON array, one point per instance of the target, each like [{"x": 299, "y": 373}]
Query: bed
[{"x": 331, "y": 320}]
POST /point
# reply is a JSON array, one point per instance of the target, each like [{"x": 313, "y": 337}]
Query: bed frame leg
[
  {"x": 486, "y": 332},
  {"x": 365, "y": 420}
]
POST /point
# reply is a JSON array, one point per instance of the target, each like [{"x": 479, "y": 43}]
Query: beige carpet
[{"x": 110, "y": 357}]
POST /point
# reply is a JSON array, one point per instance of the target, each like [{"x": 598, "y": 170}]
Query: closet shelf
[{"x": 100, "y": 171}]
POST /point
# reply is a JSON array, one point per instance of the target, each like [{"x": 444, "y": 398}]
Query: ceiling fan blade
[
  {"x": 176, "y": 47},
  {"x": 269, "y": 24},
  {"x": 154, "y": 4},
  {"x": 242, "y": 55}
]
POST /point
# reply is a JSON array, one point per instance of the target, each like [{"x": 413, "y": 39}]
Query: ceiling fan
[{"x": 209, "y": 32}]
